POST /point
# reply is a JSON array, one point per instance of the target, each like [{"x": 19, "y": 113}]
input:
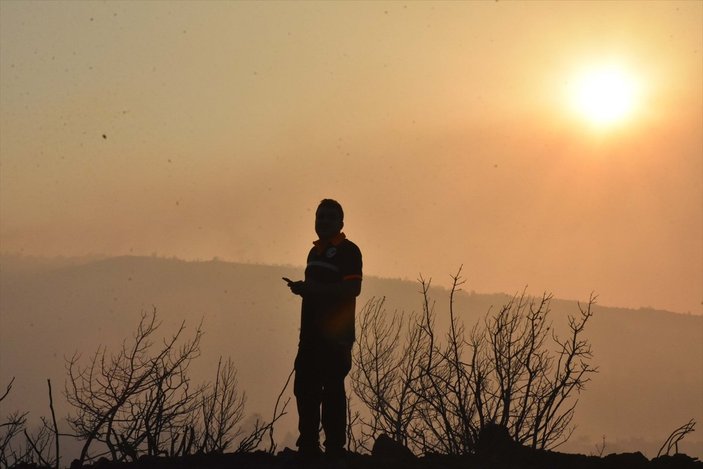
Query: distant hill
[{"x": 651, "y": 362}]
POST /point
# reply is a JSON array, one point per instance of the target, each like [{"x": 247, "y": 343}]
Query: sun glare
[{"x": 605, "y": 96}]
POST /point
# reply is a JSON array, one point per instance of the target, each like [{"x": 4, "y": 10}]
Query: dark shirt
[{"x": 329, "y": 317}]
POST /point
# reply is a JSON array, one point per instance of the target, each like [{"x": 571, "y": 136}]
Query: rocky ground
[
  {"x": 288, "y": 459},
  {"x": 496, "y": 453}
]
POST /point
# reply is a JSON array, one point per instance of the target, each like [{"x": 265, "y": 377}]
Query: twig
[
  {"x": 677, "y": 435},
  {"x": 7, "y": 390},
  {"x": 53, "y": 418},
  {"x": 272, "y": 448},
  {"x": 34, "y": 447}
]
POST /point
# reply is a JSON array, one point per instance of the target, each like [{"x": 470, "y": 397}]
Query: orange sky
[{"x": 443, "y": 128}]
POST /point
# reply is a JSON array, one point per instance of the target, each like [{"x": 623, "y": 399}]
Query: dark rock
[
  {"x": 387, "y": 448},
  {"x": 146, "y": 459},
  {"x": 555, "y": 460},
  {"x": 676, "y": 461},
  {"x": 625, "y": 461},
  {"x": 495, "y": 439},
  {"x": 102, "y": 463}
]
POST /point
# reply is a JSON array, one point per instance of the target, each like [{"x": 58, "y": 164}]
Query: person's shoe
[
  {"x": 309, "y": 453},
  {"x": 337, "y": 458},
  {"x": 336, "y": 453}
]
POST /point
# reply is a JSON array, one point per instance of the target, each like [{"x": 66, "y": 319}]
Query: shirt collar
[{"x": 336, "y": 241}]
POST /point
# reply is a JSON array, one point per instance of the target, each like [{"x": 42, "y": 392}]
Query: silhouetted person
[{"x": 332, "y": 283}]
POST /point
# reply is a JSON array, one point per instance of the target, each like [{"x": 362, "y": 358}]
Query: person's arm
[{"x": 349, "y": 288}]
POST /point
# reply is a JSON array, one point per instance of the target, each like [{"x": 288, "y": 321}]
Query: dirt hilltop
[
  {"x": 495, "y": 450},
  {"x": 532, "y": 460}
]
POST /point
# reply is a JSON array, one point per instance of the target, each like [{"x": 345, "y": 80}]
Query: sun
[{"x": 605, "y": 96}]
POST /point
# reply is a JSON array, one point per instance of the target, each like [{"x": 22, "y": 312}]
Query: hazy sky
[{"x": 447, "y": 131}]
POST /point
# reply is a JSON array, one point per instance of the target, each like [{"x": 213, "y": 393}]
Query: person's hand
[{"x": 298, "y": 287}]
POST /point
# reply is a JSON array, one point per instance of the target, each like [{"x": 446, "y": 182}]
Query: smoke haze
[
  {"x": 204, "y": 130},
  {"x": 649, "y": 380}
]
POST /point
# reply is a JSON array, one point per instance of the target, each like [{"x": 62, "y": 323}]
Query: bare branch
[
  {"x": 672, "y": 442},
  {"x": 436, "y": 395}
]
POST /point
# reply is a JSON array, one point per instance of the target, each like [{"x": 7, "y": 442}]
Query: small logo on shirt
[{"x": 331, "y": 253}]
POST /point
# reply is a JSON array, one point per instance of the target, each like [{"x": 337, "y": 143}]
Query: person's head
[{"x": 329, "y": 219}]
